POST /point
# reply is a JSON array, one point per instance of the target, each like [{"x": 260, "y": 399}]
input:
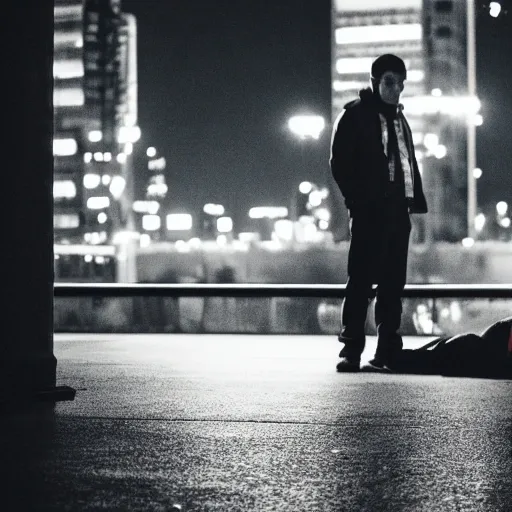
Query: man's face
[{"x": 390, "y": 87}]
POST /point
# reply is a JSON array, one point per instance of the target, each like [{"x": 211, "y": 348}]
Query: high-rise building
[
  {"x": 365, "y": 29},
  {"x": 446, "y": 81},
  {"x": 69, "y": 120},
  {"x": 430, "y": 36},
  {"x": 95, "y": 111}
]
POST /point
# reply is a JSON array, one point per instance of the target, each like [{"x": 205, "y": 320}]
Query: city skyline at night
[{"x": 218, "y": 82}]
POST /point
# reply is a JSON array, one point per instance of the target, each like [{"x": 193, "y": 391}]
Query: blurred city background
[{"x": 191, "y": 144}]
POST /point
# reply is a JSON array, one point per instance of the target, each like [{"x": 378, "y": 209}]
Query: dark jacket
[{"x": 358, "y": 161}]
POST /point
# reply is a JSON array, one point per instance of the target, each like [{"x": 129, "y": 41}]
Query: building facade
[
  {"x": 69, "y": 120},
  {"x": 95, "y": 120},
  {"x": 445, "y": 50}
]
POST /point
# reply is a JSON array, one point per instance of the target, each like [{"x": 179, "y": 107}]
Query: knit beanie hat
[{"x": 387, "y": 62}]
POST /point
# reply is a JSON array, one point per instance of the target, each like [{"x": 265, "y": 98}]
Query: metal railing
[
  {"x": 431, "y": 291},
  {"x": 262, "y": 308}
]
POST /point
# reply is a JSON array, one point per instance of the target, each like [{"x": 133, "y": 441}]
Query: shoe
[
  {"x": 388, "y": 350},
  {"x": 384, "y": 360},
  {"x": 349, "y": 362},
  {"x": 377, "y": 365}
]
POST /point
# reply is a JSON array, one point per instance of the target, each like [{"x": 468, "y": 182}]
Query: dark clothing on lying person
[{"x": 488, "y": 355}]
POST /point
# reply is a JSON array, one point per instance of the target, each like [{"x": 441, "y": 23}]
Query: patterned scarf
[{"x": 395, "y": 148}]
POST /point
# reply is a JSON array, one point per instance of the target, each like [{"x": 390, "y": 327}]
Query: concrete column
[{"x": 27, "y": 363}]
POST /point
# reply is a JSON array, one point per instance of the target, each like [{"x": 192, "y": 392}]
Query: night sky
[{"x": 219, "y": 79}]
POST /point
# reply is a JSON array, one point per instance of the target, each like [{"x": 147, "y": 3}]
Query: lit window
[
  {"x": 224, "y": 224},
  {"x": 64, "y": 189},
  {"x": 128, "y": 134},
  {"x": 450, "y": 105},
  {"x": 66, "y": 221},
  {"x": 64, "y": 147},
  {"x": 378, "y": 33},
  {"x": 151, "y": 222},
  {"x": 121, "y": 158},
  {"x": 95, "y": 135},
  {"x": 271, "y": 212},
  {"x": 146, "y": 206},
  {"x": 179, "y": 221},
  {"x": 348, "y": 85},
  {"x": 145, "y": 240},
  {"x": 348, "y": 66},
  {"x": 98, "y": 203},
  {"x": 157, "y": 165},
  {"x": 68, "y": 68},
  {"x": 415, "y": 75},
  {"x": 62, "y": 39},
  {"x": 91, "y": 180},
  {"x": 72, "y": 97},
  {"x": 213, "y": 209},
  {"x": 283, "y": 228}
]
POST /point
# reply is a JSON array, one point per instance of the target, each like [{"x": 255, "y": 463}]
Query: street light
[
  {"x": 480, "y": 222},
  {"x": 505, "y": 222},
  {"x": 305, "y": 187},
  {"x": 307, "y": 126},
  {"x": 304, "y": 127},
  {"x": 440, "y": 151},
  {"x": 494, "y": 9},
  {"x": 501, "y": 208}
]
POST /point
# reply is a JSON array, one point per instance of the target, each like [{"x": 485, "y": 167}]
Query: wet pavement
[{"x": 253, "y": 423}]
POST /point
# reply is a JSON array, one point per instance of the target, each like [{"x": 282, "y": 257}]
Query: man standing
[{"x": 374, "y": 165}]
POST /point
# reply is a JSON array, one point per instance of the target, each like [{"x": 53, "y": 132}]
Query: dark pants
[{"x": 378, "y": 255}]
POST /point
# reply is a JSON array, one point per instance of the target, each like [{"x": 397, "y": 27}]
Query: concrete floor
[{"x": 254, "y": 423}]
